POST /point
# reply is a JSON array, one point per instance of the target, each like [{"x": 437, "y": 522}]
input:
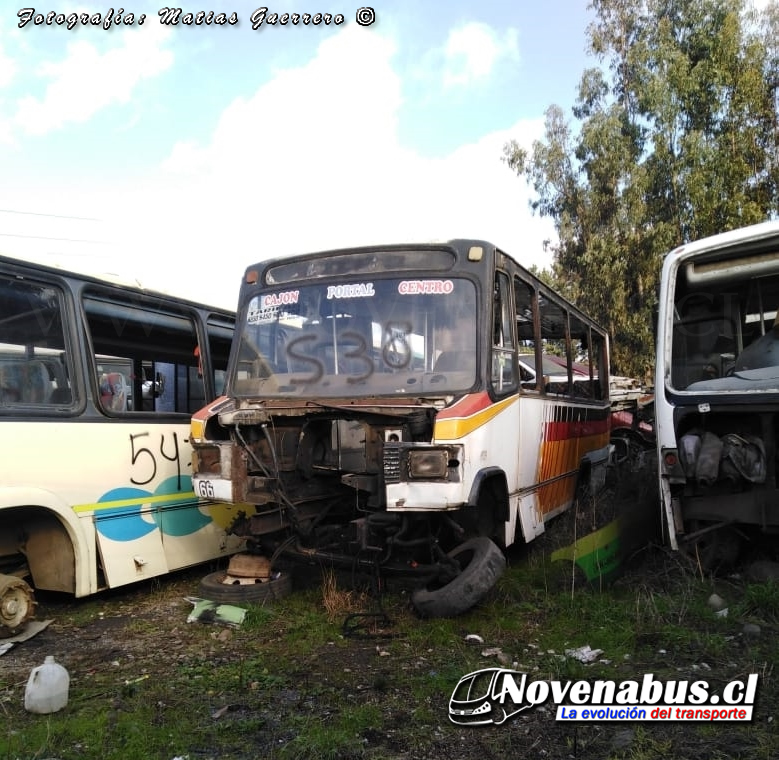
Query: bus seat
[
  {"x": 61, "y": 396},
  {"x": 113, "y": 391},
  {"x": 37, "y": 386},
  {"x": 11, "y": 382},
  {"x": 762, "y": 352},
  {"x": 24, "y": 382}
]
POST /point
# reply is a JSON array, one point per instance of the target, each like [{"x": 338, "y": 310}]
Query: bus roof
[
  {"x": 755, "y": 234},
  {"x": 105, "y": 278}
]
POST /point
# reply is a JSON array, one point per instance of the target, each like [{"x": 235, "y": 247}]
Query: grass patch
[
  {"x": 760, "y": 601},
  {"x": 338, "y": 736},
  {"x": 289, "y": 683}
]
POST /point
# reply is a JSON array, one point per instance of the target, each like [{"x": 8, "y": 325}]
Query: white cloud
[
  {"x": 88, "y": 80},
  {"x": 334, "y": 110},
  {"x": 6, "y": 131},
  {"x": 7, "y": 69},
  {"x": 472, "y": 51},
  {"x": 312, "y": 161}
]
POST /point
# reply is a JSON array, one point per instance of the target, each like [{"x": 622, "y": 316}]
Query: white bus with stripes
[
  {"x": 98, "y": 381},
  {"x": 380, "y": 413}
]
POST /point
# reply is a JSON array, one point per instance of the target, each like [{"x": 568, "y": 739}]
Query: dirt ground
[{"x": 139, "y": 631}]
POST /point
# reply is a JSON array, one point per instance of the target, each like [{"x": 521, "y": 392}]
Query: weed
[
  {"x": 259, "y": 619},
  {"x": 646, "y": 746},
  {"x": 434, "y": 633},
  {"x": 339, "y": 602},
  {"x": 761, "y": 601},
  {"x": 337, "y": 737}
]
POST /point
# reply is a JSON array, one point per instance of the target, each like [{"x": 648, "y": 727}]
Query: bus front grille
[{"x": 391, "y": 464}]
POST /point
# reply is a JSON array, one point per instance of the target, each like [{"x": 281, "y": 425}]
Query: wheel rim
[{"x": 16, "y": 602}]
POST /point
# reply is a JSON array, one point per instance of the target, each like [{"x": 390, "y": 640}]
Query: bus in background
[
  {"x": 379, "y": 413},
  {"x": 717, "y": 394},
  {"x": 98, "y": 382}
]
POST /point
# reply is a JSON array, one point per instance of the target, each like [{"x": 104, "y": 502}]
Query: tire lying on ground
[
  {"x": 481, "y": 564},
  {"x": 214, "y": 588}
]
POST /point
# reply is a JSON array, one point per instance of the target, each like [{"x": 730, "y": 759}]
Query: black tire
[
  {"x": 481, "y": 565},
  {"x": 213, "y": 588}
]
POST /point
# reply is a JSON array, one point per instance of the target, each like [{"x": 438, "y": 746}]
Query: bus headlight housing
[{"x": 428, "y": 464}]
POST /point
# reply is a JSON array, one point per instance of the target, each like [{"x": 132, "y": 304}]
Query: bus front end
[
  {"x": 328, "y": 428},
  {"x": 717, "y": 395}
]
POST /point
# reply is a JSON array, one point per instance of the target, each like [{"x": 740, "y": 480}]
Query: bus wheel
[
  {"x": 213, "y": 587},
  {"x": 16, "y": 605},
  {"x": 481, "y": 564},
  {"x": 715, "y": 549}
]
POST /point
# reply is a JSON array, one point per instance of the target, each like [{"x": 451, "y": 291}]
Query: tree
[{"x": 677, "y": 140}]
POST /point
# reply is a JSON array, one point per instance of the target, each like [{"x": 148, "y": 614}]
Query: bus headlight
[
  {"x": 196, "y": 430},
  {"x": 428, "y": 463}
]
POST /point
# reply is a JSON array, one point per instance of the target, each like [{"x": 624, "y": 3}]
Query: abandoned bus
[
  {"x": 377, "y": 413},
  {"x": 98, "y": 382},
  {"x": 717, "y": 393}
]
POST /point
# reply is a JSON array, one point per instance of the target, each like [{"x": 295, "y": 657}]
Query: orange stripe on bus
[{"x": 560, "y": 459}]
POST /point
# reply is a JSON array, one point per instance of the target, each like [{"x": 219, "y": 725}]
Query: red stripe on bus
[
  {"x": 466, "y": 406},
  {"x": 561, "y": 431}
]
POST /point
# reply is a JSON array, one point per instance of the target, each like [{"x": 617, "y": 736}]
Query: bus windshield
[
  {"x": 725, "y": 326},
  {"x": 388, "y": 336}
]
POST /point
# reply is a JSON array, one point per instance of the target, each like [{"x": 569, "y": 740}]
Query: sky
[{"x": 179, "y": 155}]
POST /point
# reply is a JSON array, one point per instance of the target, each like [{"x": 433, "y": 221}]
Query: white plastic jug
[{"x": 47, "y": 688}]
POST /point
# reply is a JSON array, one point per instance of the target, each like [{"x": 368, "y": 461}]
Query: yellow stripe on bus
[
  {"x": 173, "y": 499},
  {"x": 457, "y": 427}
]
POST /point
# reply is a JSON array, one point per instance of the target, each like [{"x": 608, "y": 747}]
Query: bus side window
[
  {"x": 525, "y": 308},
  {"x": 599, "y": 363},
  {"x": 34, "y": 363},
  {"x": 146, "y": 360},
  {"x": 220, "y": 335},
  {"x": 583, "y": 374},
  {"x": 503, "y": 353},
  {"x": 554, "y": 341}
]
